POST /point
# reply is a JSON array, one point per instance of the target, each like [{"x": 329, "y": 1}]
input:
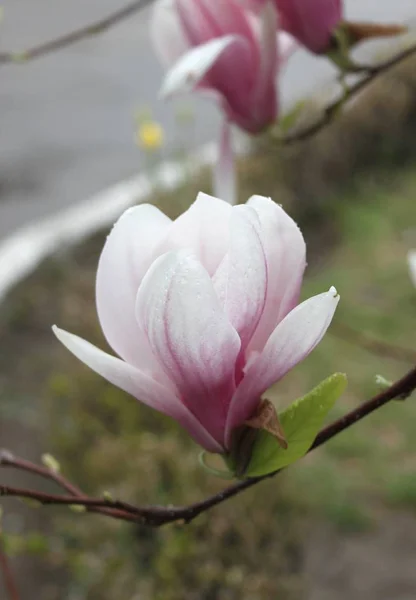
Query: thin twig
[
  {"x": 8, "y": 578},
  {"x": 332, "y": 109},
  {"x": 75, "y": 36},
  {"x": 401, "y": 389},
  {"x": 158, "y": 515},
  {"x": 7, "y": 459},
  {"x": 372, "y": 344}
]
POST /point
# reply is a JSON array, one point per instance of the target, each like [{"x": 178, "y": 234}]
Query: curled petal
[
  {"x": 241, "y": 279},
  {"x": 127, "y": 254},
  {"x": 285, "y": 251},
  {"x": 204, "y": 228},
  {"x": 292, "y": 340},
  {"x": 138, "y": 384},
  {"x": 191, "y": 336},
  {"x": 193, "y": 66}
]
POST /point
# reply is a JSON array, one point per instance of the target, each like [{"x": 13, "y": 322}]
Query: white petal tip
[
  {"x": 66, "y": 338},
  {"x": 192, "y": 67},
  {"x": 332, "y": 290},
  {"x": 60, "y": 334}
]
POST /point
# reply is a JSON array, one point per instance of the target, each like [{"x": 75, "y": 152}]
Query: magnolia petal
[
  {"x": 203, "y": 20},
  {"x": 286, "y": 260},
  {"x": 138, "y": 384},
  {"x": 292, "y": 340},
  {"x": 168, "y": 36},
  {"x": 241, "y": 279},
  {"x": 193, "y": 66},
  {"x": 411, "y": 259},
  {"x": 286, "y": 46},
  {"x": 191, "y": 336},
  {"x": 265, "y": 88},
  {"x": 204, "y": 228},
  {"x": 312, "y": 23},
  {"x": 126, "y": 256},
  {"x": 224, "y": 170}
]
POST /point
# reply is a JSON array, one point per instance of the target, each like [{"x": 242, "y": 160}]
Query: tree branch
[
  {"x": 75, "y": 36},
  {"x": 329, "y": 112},
  {"x": 7, "y": 459},
  {"x": 155, "y": 516}
]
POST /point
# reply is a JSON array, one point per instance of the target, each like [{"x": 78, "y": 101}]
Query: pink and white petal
[
  {"x": 193, "y": 66},
  {"x": 255, "y": 5},
  {"x": 224, "y": 170},
  {"x": 286, "y": 260},
  {"x": 191, "y": 336},
  {"x": 267, "y": 46},
  {"x": 126, "y": 256},
  {"x": 241, "y": 279},
  {"x": 286, "y": 47},
  {"x": 292, "y": 340},
  {"x": 168, "y": 37},
  {"x": 204, "y": 228},
  {"x": 203, "y": 20},
  {"x": 138, "y": 384}
]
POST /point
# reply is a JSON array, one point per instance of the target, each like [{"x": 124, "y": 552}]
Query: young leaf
[{"x": 300, "y": 422}]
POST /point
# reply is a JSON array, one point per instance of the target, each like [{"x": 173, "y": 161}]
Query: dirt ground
[{"x": 377, "y": 565}]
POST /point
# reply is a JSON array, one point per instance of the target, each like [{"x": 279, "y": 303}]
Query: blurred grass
[{"x": 352, "y": 188}]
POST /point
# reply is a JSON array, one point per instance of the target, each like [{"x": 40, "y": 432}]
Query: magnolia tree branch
[
  {"x": 75, "y": 36},
  {"x": 155, "y": 516},
  {"x": 331, "y": 110}
]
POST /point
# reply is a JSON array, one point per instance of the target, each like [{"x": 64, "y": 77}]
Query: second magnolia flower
[
  {"x": 221, "y": 50},
  {"x": 203, "y": 311}
]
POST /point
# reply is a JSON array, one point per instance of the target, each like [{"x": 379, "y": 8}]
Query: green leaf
[{"x": 301, "y": 422}]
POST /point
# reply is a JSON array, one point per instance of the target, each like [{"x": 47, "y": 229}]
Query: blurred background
[{"x": 340, "y": 524}]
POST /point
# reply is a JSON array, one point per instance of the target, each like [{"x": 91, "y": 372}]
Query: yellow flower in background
[{"x": 149, "y": 135}]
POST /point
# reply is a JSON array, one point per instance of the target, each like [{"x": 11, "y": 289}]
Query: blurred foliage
[{"x": 352, "y": 189}]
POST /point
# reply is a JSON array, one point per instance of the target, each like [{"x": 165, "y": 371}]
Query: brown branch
[
  {"x": 75, "y": 36},
  {"x": 330, "y": 111},
  {"x": 7, "y": 459},
  {"x": 158, "y": 515},
  {"x": 372, "y": 344},
  {"x": 8, "y": 578}
]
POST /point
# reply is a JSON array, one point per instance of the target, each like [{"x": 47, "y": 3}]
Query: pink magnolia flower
[
  {"x": 311, "y": 22},
  {"x": 202, "y": 311},
  {"x": 223, "y": 51},
  {"x": 314, "y": 23}
]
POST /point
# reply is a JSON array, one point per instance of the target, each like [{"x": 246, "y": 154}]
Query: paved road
[{"x": 66, "y": 120}]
